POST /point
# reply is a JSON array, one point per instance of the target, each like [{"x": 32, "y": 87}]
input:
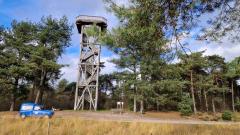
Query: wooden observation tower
[{"x": 86, "y": 94}]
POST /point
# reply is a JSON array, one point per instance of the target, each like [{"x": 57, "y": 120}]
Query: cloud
[
  {"x": 70, "y": 72},
  {"x": 34, "y": 10},
  {"x": 122, "y": 2},
  {"x": 109, "y": 67},
  {"x": 228, "y": 51}
]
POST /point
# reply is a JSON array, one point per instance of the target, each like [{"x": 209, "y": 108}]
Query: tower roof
[{"x": 90, "y": 20}]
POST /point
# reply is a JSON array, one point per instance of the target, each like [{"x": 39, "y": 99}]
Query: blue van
[{"x": 32, "y": 109}]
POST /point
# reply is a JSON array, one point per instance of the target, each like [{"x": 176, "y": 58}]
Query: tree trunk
[
  {"x": 135, "y": 99},
  {"x": 13, "y": 97},
  {"x": 40, "y": 100},
  {"x": 206, "y": 101},
  {"x": 233, "y": 105},
  {"x": 237, "y": 92},
  {"x": 134, "y": 104},
  {"x": 224, "y": 100},
  {"x": 157, "y": 106},
  {"x": 200, "y": 100},
  {"x": 32, "y": 91},
  {"x": 213, "y": 106},
  {"x": 37, "y": 96},
  {"x": 13, "y": 100},
  {"x": 40, "y": 90},
  {"x": 192, "y": 93},
  {"x": 141, "y": 107},
  {"x": 203, "y": 102}
]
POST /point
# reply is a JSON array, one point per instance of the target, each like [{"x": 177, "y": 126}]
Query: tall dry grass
[{"x": 77, "y": 126}]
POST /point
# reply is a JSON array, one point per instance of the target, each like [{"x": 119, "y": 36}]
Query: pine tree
[
  {"x": 193, "y": 64},
  {"x": 216, "y": 69},
  {"x": 62, "y": 84},
  {"x": 15, "y": 54},
  {"x": 52, "y": 38},
  {"x": 233, "y": 72},
  {"x": 146, "y": 27}
]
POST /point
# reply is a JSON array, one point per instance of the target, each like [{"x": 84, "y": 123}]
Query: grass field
[{"x": 78, "y": 126}]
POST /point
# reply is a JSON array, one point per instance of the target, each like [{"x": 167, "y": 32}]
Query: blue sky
[{"x": 33, "y": 10}]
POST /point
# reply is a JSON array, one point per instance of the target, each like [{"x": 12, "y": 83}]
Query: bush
[
  {"x": 227, "y": 115},
  {"x": 237, "y": 104},
  {"x": 209, "y": 117},
  {"x": 184, "y": 107}
]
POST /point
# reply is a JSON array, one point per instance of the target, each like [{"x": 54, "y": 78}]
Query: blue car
[{"x": 32, "y": 109}]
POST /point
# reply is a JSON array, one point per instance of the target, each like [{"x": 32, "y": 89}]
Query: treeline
[
  {"x": 196, "y": 83},
  {"x": 148, "y": 39},
  {"x": 29, "y": 53}
]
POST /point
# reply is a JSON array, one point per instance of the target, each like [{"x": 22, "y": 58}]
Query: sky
[{"x": 33, "y": 10}]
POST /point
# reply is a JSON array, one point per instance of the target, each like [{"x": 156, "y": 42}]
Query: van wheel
[
  {"x": 23, "y": 116},
  {"x": 46, "y": 116}
]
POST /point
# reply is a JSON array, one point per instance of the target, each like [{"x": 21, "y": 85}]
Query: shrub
[
  {"x": 184, "y": 107},
  {"x": 227, "y": 115},
  {"x": 207, "y": 117},
  {"x": 237, "y": 104}
]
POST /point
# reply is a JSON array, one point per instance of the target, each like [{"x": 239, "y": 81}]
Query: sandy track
[
  {"x": 129, "y": 117},
  {"x": 126, "y": 117}
]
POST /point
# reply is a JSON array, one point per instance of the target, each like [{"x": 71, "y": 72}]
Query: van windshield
[{"x": 27, "y": 107}]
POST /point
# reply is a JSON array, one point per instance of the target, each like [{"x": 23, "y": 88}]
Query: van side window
[{"x": 37, "y": 108}]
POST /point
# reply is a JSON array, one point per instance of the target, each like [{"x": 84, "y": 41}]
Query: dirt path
[
  {"x": 129, "y": 117},
  {"x": 165, "y": 118}
]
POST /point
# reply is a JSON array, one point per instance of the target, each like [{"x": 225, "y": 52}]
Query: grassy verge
[
  {"x": 236, "y": 116},
  {"x": 78, "y": 126}
]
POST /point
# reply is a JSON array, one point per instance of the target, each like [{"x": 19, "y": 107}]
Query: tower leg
[{"x": 76, "y": 91}]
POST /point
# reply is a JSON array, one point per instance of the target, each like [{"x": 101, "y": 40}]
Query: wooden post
[
  {"x": 48, "y": 129},
  {"x": 78, "y": 76},
  {"x": 96, "y": 92}
]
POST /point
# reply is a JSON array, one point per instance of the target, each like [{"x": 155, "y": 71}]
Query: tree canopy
[{"x": 29, "y": 53}]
